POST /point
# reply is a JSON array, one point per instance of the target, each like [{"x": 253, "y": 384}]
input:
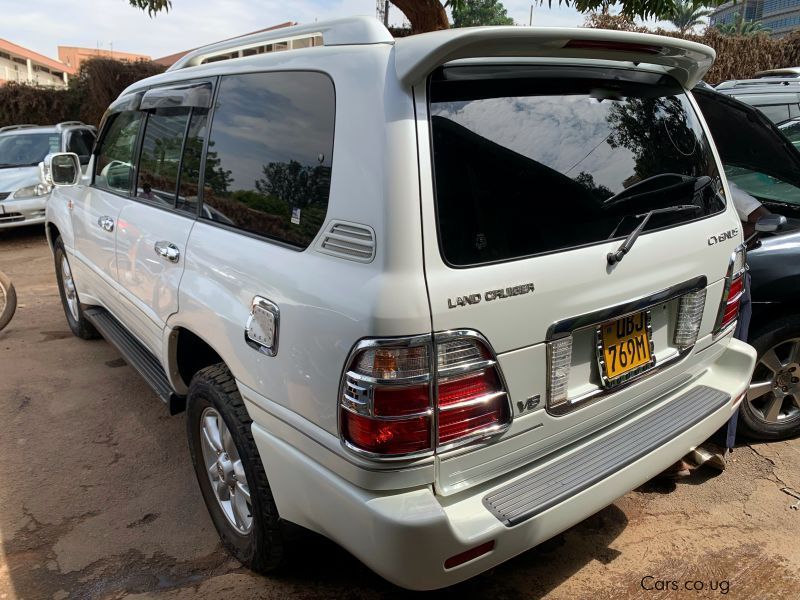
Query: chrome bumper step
[{"x": 565, "y": 477}]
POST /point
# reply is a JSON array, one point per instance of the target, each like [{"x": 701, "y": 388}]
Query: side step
[
  {"x": 554, "y": 483},
  {"x": 136, "y": 355}
]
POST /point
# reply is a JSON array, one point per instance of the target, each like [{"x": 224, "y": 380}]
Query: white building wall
[{"x": 10, "y": 70}]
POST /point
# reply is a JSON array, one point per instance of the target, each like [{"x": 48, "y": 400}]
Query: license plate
[{"x": 624, "y": 348}]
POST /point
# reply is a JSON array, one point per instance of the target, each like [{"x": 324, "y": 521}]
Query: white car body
[
  {"x": 22, "y": 195},
  {"x": 405, "y": 517}
]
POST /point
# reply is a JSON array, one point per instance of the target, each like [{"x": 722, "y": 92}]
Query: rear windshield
[{"x": 531, "y": 160}]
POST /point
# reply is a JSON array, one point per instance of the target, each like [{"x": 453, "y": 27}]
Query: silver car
[{"x": 22, "y": 148}]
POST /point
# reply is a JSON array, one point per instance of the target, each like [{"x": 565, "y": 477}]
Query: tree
[
  {"x": 472, "y": 13},
  {"x": 152, "y": 6},
  {"x": 686, "y": 14},
  {"x": 740, "y": 26},
  {"x": 431, "y": 15}
]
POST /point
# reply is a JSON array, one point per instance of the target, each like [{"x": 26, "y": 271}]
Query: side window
[
  {"x": 777, "y": 113},
  {"x": 115, "y": 156},
  {"x": 81, "y": 142},
  {"x": 190, "y": 167},
  {"x": 161, "y": 155},
  {"x": 268, "y": 168}
]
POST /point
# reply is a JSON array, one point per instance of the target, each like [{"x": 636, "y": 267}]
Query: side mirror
[
  {"x": 770, "y": 223},
  {"x": 62, "y": 169}
]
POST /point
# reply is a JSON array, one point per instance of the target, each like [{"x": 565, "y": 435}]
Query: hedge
[{"x": 98, "y": 83}]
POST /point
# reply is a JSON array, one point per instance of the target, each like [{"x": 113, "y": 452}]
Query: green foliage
[
  {"x": 472, "y": 13},
  {"x": 152, "y": 6},
  {"x": 686, "y": 15},
  {"x": 97, "y": 85},
  {"x": 740, "y": 26}
]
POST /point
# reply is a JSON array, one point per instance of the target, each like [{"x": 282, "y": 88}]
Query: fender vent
[{"x": 348, "y": 240}]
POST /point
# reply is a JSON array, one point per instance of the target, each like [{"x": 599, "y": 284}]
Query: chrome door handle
[
  {"x": 168, "y": 251},
  {"x": 107, "y": 223}
]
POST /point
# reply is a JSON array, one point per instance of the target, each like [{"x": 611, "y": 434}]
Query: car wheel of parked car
[
  {"x": 772, "y": 408},
  {"x": 69, "y": 295},
  {"x": 230, "y": 472}
]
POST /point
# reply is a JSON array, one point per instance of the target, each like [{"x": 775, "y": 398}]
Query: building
[
  {"x": 781, "y": 16},
  {"x": 778, "y": 16},
  {"x": 170, "y": 60},
  {"x": 26, "y": 66},
  {"x": 73, "y": 56}
]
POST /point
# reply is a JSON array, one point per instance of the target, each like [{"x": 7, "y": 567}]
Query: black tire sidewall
[
  {"x": 58, "y": 253},
  {"x": 11, "y": 301},
  {"x": 763, "y": 340},
  {"x": 253, "y": 549}
]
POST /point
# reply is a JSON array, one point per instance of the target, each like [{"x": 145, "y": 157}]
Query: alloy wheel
[
  {"x": 774, "y": 393},
  {"x": 70, "y": 293},
  {"x": 225, "y": 471}
]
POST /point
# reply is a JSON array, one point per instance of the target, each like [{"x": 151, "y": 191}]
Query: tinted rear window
[{"x": 535, "y": 160}]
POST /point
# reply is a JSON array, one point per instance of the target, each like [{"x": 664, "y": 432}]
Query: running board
[{"x": 136, "y": 355}]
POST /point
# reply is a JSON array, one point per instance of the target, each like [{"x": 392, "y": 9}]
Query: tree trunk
[{"x": 424, "y": 15}]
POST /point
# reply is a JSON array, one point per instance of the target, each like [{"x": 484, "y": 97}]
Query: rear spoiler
[{"x": 418, "y": 55}]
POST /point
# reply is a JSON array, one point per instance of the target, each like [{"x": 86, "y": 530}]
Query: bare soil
[{"x": 98, "y": 498}]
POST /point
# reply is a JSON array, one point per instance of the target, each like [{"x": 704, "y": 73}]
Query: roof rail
[
  {"x": 725, "y": 85},
  {"x": 13, "y": 127},
  {"x": 337, "y": 32},
  {"x": 68, "y": 124}
]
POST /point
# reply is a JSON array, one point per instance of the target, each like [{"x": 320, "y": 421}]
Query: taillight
[
  {"x": 409, "y": 396},
  {"x": 734, "y": 289}
]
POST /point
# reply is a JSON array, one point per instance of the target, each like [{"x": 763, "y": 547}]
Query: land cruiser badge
[{"x": 490, "y": 295}]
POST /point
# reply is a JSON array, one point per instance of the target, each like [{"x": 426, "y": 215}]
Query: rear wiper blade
[{"x": 614, "y": 257}]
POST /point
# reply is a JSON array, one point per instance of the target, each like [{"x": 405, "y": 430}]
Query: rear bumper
[
  {"x": 16, "y": 213},
  {"x": 407, "y": 536}
]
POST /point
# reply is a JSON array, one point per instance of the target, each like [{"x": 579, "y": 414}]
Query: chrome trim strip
[
  {"x": 600, "y": 393},
  {"x": 467, "y": 368},
  {"x": 570, "y": 324},
  {"x": 424, "y": 413},
  {"x": 485, "y": 399}
]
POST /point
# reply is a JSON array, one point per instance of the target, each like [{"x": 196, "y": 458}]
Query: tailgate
[{"x": 534, "y": 177}]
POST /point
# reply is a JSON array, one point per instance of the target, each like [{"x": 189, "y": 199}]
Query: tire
[
  {"x": 213, "y": 395},
  {"x": 771, "y": 410},
  {"x": 73, "y": 309},
  {"x": 8, "y": 300}
]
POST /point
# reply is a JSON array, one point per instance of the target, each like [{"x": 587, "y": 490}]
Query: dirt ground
[{"x": 98, "y": 498}]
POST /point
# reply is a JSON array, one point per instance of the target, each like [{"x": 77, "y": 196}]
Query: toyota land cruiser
[{"x": 436, "y": 298}]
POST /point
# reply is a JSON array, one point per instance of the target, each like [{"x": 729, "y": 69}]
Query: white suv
[{"x": 395, "y": 284}]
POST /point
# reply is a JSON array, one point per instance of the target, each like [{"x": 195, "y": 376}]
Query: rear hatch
[{"x": 537, "y": 174}]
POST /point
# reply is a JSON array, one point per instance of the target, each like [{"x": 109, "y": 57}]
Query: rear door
[
  {"x": 536, "y": 176},
  {"x": 155, "y": 224}
]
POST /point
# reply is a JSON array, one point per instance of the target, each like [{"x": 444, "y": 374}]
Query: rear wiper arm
[{"x": 614, "y": 257}]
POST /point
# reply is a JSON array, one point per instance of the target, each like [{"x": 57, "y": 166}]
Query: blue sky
[{"x": 41, "y": 25}]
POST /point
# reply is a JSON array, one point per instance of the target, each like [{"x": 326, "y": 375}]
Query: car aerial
[
  {"x": 22, "y": 148},
  {"x": 765, "y": 163},
  {"x": 777, "y": 97},
  {"x": 453, "y": 293}
]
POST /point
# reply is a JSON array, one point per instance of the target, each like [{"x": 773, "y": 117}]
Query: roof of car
[
  {"x": 416, "y": 56},
  {"x": 58, "y": 128}
]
